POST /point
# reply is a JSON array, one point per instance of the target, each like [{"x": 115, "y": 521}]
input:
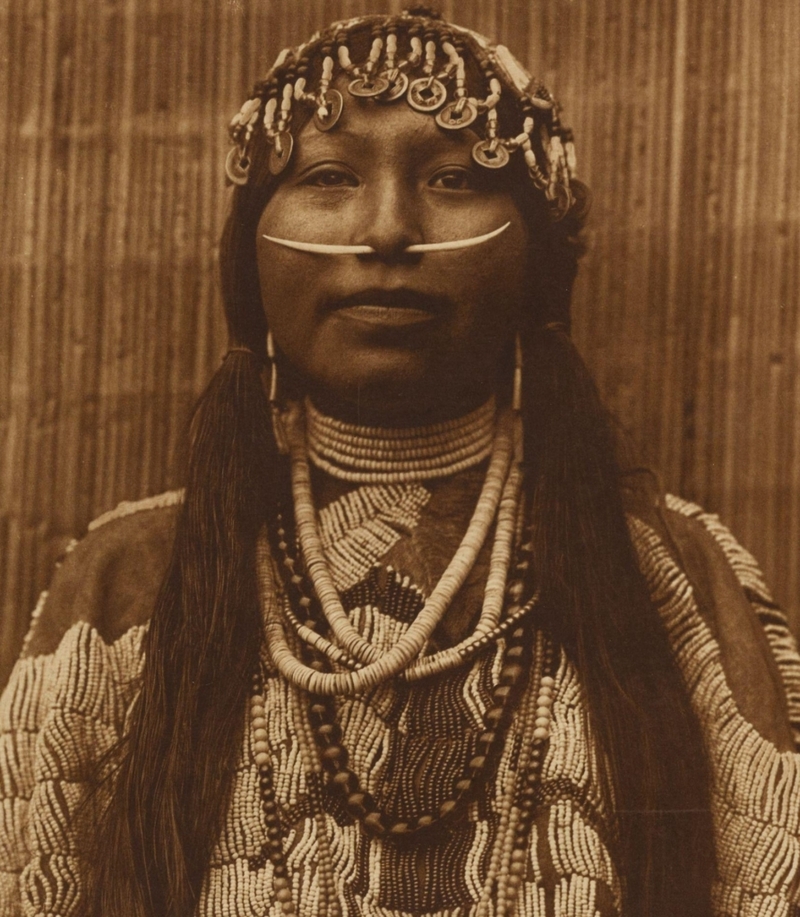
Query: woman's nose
[{"x": 392, "y": 219}]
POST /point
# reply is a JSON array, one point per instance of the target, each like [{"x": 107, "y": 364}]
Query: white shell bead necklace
[
  {"x": 379, "y": 668},
  {"x": 388, "y": 455}
]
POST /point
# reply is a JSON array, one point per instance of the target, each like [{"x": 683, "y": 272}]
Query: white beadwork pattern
[
  {"x": 364, "y": 525},
  {"x": 62, "y": 710}
]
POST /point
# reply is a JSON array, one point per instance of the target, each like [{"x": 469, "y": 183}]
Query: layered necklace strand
[
  {"x": 507, "y": 866},
  {"x": 387, "y": 457},
  {"x": 377, "y": 668}
]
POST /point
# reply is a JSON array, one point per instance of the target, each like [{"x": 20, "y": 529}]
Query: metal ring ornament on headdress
[
  {"x": 334, "y": 104},
  {"x": 423, "y": 60},
  {"x": 237, "y": 166},
  {"x": 455, "y": 116},
  {"x": 491, "y": 154},
  {"x": 397, "y": 89},
  {"x": 427, "y": 95}
]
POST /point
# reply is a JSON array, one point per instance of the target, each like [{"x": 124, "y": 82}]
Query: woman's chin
[
  {"x": 372, "y": 389},
  {"x": 399, "y": 373}
]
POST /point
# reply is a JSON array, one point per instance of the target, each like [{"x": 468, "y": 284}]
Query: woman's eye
[
  {"x": 454, "y": 180},
  {"x": 331, "y": 177}
]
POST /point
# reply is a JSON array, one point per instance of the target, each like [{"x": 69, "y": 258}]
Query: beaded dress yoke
[{"x": 410, "y": 742}]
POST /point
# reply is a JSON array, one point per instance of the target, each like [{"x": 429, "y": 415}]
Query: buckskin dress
[{"x": 73, "y": 687}]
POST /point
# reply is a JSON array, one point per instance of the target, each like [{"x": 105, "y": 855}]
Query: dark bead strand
[
  {"x": 296, "y": 582},
  {"x": 362, "y": 806},
  {"x": 334, "y": 756},
  {"x": 527, "y": 791},
  {"x": 272, "y": 849}
]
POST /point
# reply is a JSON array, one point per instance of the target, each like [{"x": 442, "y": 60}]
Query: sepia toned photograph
[{"x": 400, "y": 458}]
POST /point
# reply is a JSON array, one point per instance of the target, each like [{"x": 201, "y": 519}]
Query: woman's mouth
[
  {"x": 397, "y": 308},
  {"x": 398, "y": 316}
]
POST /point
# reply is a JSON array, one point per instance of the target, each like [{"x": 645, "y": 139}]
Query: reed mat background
[{"x": 112, "y": 131}]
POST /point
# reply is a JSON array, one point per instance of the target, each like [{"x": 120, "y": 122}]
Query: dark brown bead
[
  {"x": 346, "y": 781},
  {"x": 374, "y": 824},
  {"x": 358, "y": 803},
  {"x": 335, "y": 754},
  {"x": 486, "y": 740},
  {"x": 510, "y": 674},
  {"x": 446, "y": 808},
  {"x": 494, "y": 716},
  {"x": 330, "y": 732}
]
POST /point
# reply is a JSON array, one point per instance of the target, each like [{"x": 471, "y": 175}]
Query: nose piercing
[{"x": 321, "y": 248}]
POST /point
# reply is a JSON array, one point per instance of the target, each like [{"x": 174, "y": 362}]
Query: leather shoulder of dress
[
  {"x": 111, "y": 577},
  {"x": 706, "y": 553}
]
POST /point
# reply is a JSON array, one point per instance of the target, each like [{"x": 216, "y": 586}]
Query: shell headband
[{"x": 428, "y": 63}]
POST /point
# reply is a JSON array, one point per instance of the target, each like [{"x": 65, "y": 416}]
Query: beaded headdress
[{"x": 449, "y": 72}]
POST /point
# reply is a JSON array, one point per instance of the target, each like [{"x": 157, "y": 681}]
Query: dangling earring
[
  {"x": 516, "y": 400},
  {"x": 278, "y": 428}
]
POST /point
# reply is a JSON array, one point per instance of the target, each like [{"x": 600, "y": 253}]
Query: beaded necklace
[
  {"x": 313, "y": 644},
  {"x": 388, "y": 455},
  {"x": 320, "y": 750},
  {"x": 380, "y": 668}
]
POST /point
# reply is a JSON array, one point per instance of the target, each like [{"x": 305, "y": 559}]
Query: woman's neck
[{"x": 403, "y": 411}]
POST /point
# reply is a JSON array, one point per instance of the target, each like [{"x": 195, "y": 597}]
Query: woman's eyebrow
[{"x": 348, "y": 138}]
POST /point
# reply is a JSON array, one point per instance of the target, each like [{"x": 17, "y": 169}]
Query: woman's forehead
[{"x": 369, "y": 129}]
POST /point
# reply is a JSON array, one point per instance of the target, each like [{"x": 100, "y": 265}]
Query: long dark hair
[{"x": 175, "y": 770}]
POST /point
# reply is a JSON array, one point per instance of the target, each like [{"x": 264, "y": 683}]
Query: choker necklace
[{"x": 391, "y": 455}]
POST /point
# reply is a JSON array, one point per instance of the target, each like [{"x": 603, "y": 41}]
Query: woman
[{"x": 420, "y": 646}]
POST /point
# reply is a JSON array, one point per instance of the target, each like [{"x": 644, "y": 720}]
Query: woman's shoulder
[
  {"x": 697, "y": 540},
  {"x": 718, "y": 609},
  {"x": 111, "y": 577}
]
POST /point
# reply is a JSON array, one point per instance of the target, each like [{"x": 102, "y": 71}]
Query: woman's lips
[
  {"x": 396, "y": 308},
  {"x": 396, "y": 316}
]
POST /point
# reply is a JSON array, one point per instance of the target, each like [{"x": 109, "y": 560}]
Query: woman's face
[{"x": 394, "y": 336}]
